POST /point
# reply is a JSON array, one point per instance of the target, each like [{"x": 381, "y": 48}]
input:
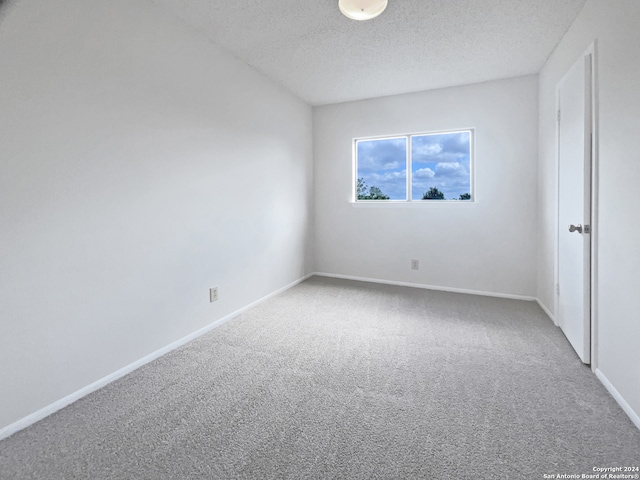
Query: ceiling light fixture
[{"x": 362, "y": 9}]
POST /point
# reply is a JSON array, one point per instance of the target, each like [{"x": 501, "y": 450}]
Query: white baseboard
[
  {"x": 618, "y": 398},
  {"x": 428, "y": 287},
  {"x": 547, "y": 311},
  {"x": 69, "y": 399}
]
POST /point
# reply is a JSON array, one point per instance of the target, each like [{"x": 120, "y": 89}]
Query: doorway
[{"x": 575, "y": 228}]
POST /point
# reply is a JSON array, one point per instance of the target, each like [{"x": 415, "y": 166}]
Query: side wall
[
  {"x": 615, "y": 26},
  {"x": 140, "y": 165},
  {"x": 486, "y": 246}
]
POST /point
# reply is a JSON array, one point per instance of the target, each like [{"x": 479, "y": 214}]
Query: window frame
[{"x": 409, "y": 170}]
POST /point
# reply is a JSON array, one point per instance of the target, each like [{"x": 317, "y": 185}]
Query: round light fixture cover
[{"x": 362, "y": 9}]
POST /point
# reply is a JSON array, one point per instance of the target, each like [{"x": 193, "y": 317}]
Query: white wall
[
  {"x": 616, "y": 27},
  {"x": 140, "y": 165},
  {"x": 486, "y": 246}
]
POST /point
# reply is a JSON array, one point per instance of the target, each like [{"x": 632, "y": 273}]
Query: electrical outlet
[
  {"x": 415, "y": 265},
  {"x": 213, "y": 294}
]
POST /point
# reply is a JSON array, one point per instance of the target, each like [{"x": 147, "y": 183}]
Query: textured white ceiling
[{"x": 323, "y": 57}]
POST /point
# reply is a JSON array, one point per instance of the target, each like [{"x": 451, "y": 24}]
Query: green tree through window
[
  {"x": 433, "y": 194},
  {"x": 374, "y": 192}
]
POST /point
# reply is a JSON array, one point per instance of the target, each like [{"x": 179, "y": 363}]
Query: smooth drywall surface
[
  {"x": 488, "y": 245},
  {"x": 615, "y": 26},
  {"x": 140, "y": 165}
]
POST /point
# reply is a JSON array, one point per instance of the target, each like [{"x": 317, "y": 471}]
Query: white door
[{"x": 574, "y": 207}]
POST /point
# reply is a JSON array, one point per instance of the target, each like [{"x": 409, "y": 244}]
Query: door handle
[{"x": 575, "y": 228}]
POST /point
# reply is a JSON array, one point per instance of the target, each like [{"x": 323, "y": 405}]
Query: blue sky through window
[
  {"x": 383, "y": 164},
  {"x": 438, "y": 160},
  {"x": 441, "y": 160}
]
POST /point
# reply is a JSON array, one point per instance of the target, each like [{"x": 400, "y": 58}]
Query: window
[{"x": 418, "y": 167}]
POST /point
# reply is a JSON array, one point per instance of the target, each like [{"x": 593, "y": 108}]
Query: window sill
[{"x": 416, "y": 204}]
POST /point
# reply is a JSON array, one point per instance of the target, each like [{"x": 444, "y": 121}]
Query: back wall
[{"x": 485, "y": 246}]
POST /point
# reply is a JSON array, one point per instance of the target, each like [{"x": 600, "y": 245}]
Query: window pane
[
  {"x": 441, "y": 166},
  {"x": 381, "y": 169}
]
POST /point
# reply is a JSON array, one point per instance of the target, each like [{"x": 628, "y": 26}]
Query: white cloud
[
  {"x": 394, "y": 165},
  {"x": 386, "y": 154},
  {"x": 443, "y": 147},
  {"x": 426, "y": 149},
  {"x": 387, "y": 177},
  {"x": 422, "y": 173},
  {"x": 451, "y": 169}
]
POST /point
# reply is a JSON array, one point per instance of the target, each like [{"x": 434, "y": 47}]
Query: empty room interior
[{"x": 280, "y": 240}]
